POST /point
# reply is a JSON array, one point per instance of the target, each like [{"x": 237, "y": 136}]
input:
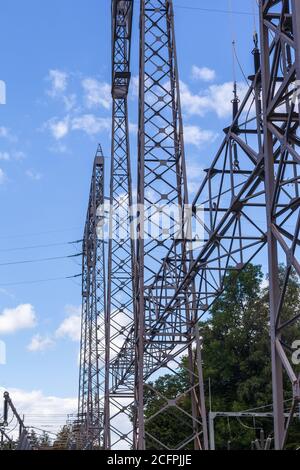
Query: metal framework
[
  {"x": 23, "y": 441},
  {"x": 280, "y": 44},
  {"x": 120, "y": 305},
  {"x": 162, "y": 199},
  {"x": 248, "y": 199},
  {"x": 92, "y": 348},
  {"x": 262, "y": 444}
]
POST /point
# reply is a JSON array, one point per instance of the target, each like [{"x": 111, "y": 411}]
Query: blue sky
[{"x": 55, "y": 61}]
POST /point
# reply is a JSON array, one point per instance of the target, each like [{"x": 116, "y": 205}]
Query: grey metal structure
[
  {"x": 280, "y": 44},
  {"x": 23, "y": 441},
  {"x": 162, "y": 201},
  {"x": 92, "y": 346},
  {"x": 212, "y": 415},
  {"x": 162, "y": 197},
  {"x": 120, "y": 304},
  {"x": 248, "y": 200},
  {"x": 178, "y": 277}
]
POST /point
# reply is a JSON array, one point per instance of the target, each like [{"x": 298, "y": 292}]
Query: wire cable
[
  {"x": 214, "y": 10},
  {"x": 33, "y": 247},
  {"x": 40, "y": 233},
  {"x": 39, "y": 281},
  {"x": 55, "y": 258}
]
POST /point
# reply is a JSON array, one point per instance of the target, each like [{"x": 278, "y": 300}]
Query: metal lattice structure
[
  {"x": 280, "y": 44},
  {"x": 120, "y": 305},
  {"x": 92, "y": 346},
  {"x": 11, "y": 416},
  {"x": 161, "y": 288},
  {"x": 162, "y": 196}
]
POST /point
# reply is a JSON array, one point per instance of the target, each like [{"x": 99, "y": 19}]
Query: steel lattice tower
[
  {"x": 92, "y": 347},
  {"x": 248, "y": 200},
  {"x": 161, "y": 188},
  {"x": 172, "y": 295},
  {"x": 280, "y": 43},
  {"x": 120, "y": 311}
]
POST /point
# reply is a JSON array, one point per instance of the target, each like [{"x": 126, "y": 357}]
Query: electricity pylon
[{"x": 92, "y": 346}]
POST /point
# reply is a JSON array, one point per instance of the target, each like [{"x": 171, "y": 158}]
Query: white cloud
[
  {"x": 59, "y": 82},
  {"x": 196, "y": 136},
  {"x": 134, "y": 84},
  {"x": 34, "y": 175},
  {"x": 70, "y": 101},
  {"x": 216, "y": 98},
  {"x": 15, "y": 155},
  {"x": 58, "y": 128},
  {"x": 3, "y": 177},
  {"x": 91, "y": 124},
  {"x": 40, "y": 343},
  {"x": 203, "y": 73},
  {"x": 19, "y": 318},
  {"x": 5, "y": 133},
  {"x": 97, "y": 93},
  {"x": 59, "y": 147},
  {"x": 133, "y": 128},
  {"x": 19, "y": 155},
  {"x": 71, "y": 326},
  {"x": 195, "y": 175},
  {"x": 88, "y": 123},
  {"x": 4, "y": 156}
]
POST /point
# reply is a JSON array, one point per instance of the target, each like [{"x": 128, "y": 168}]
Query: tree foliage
[{"x": 236, "y": 358}]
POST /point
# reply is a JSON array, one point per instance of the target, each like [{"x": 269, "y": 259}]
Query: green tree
[
  {"x": 45, "y": 441},
  {"x": 236, "y": 356}
]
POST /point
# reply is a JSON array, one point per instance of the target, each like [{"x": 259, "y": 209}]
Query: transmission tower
[
  {"x": 280, "y": 44},
  {"x": 92, "y": 346},
  {"x": 162, "y": 197},
  {"x": 120, "y": 307},
  {"x": 248, "y": 200}
]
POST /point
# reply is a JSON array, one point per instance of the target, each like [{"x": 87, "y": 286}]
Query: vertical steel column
[
  {"x": 120, "y": 305},
  {"x": 279, "y": 25},
  {"x": 92, "y": 349},
  {"x": 162, "y": 184}
]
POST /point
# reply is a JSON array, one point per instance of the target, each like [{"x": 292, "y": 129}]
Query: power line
[
  {"x": 39, "y": 281},
  {"x": 33, "y": 247},
  {"x": 12, "y": 263},
  {"x": 39, "y": 233},
  {"x": 214, "y": 10}
]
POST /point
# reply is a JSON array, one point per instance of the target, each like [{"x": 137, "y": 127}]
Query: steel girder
[
  {"x": 92, "y": 347},
  {"x": 280, "y": 43},
  {"x": 120, "y": 305},
  {"x": 230, "y": 207}
]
